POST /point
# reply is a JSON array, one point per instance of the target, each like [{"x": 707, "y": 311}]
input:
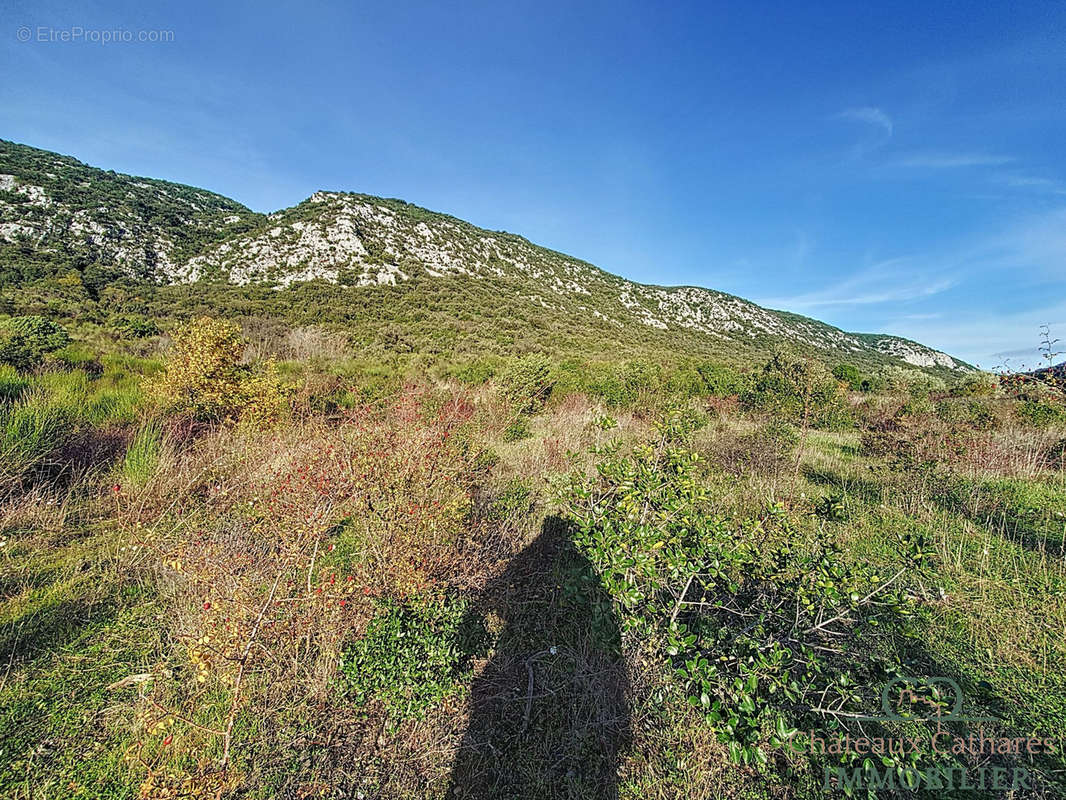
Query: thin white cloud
[
  {"x": 994, "y": 330},
  {"x": 988, "y": 338},
  {"x": 1017, "y": 180},
  {"x": 953, "y": 160},
  {"x": 889, "y": 281},
  {"x": 870, "y": 115}
]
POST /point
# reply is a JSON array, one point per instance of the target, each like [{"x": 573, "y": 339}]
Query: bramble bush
[{"x": 280, "y": 560}]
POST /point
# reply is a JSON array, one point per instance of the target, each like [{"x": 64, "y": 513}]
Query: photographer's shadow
[{"x": 549, "y": 715}]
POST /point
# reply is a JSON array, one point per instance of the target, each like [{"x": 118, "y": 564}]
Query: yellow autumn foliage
[{"x": 204, "y": 377}]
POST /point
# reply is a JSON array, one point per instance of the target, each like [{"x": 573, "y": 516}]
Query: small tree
[
  {"x": 802, "y": 392},
  {"x": 203, "y": 374}
]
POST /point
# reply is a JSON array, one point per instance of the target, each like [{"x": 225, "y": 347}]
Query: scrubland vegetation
[{"x": 235, "y": 564}]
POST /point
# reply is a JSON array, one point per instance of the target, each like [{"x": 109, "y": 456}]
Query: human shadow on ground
[{"x": 549, "y": 714}]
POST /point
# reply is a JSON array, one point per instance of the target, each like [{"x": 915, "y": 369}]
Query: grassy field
[{"x": 224, "y": 576}]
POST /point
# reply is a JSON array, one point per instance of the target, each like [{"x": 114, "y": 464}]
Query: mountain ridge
[{"x": 56, "y": 212}]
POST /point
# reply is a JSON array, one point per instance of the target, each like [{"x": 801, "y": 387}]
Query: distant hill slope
[
  {"x": 57, "y": 215},
  {"x": 56, "y": 212}
]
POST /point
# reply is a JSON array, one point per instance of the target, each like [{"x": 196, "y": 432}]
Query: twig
[
  {"x": 228, "y": 735},
  {"x": 130, "y": 680},
  {"x": 840, "y": 713},
  {"x": 681, "y": 599},
  {"x": 529, "y": 696},
  {"x": 862, "y": 602}
]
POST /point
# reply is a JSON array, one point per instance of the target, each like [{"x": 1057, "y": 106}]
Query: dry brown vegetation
[{"x": 372, "y": 594}]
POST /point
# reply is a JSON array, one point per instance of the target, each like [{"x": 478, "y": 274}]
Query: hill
[{"x": 384, "y": 269}]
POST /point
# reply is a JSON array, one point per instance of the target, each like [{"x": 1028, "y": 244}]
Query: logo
[
  {"x": 911, "y": 699},
  {"x": 934, "y": 760}
]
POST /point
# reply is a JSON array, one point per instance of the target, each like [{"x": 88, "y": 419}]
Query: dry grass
[{"x": 267, "y": 553}]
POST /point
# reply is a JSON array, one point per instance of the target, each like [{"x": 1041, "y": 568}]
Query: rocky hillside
[{"x": 57, "y": 214}]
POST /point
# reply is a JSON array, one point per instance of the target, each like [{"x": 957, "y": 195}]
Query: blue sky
[{"x": 896, "y": 169}]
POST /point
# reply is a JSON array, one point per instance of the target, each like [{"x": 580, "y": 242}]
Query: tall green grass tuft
[
  {"x": 142, "y": 455},
  {"x": 11, "y": 383},
  {"x": 40, "y": 414},
  {"x": 31, "y": 428}
]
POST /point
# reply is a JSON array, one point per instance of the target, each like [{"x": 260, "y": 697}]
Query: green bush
[
  {"x": 413, "y": 655},
  {"x": 849, "y": 375},
  {"x": 40, "y": 333},
  {"x": 721, "y": 381},
  {"x": 918, "y": 405},
  {"x": 1042, "y": 413},
  {"x": 526, "y": 383},
  {"x": 515, "y": 500},
  {"x": 134, "y": 326},
  {"x": 802, "y": 392},
  {"x": 983, "y": 384},
  {"x": 912, "y": 382},
  {"x": 24, "y": 341},
  {"x": 622, "y": 384},
  {"x": 474, "y": 373},
  {"x": 747, "y": 651}
]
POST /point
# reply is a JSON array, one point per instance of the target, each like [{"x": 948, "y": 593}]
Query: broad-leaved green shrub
[
  {"x": 755, "y": 618},
  {"x": 24, "y": 341},
  {"x": 413, "y": 654}
]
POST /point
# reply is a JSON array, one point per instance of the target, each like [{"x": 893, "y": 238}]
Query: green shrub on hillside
[
  {"x": 802, "y": 392},
  {"x": 24, "y": 341},
  {"x": 1042, "y": 413},
  {"x": 621, "y": 384},
  {"x": 134, "y": 326},
  {"x": 849, "y": 375},
  {"x": 474, "y": 372},
  {"x": 983, "y": 384},
  {"x": 912, "y": 381},
  {"x": 526, "y": 383},
  {"x": 721, "y": 381}
]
